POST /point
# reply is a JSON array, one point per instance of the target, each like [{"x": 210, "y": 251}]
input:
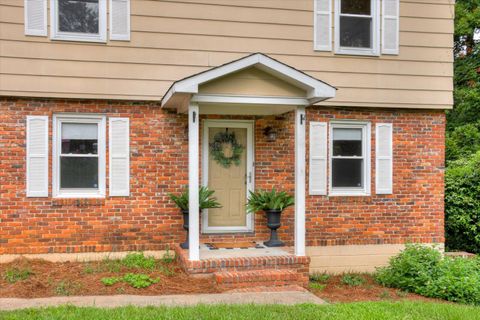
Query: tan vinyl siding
[{"x": 174, "y": 39}]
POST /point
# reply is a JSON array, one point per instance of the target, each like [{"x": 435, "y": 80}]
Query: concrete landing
[{"x": 281, "y": 297}]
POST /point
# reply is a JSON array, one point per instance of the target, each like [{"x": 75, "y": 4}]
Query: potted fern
[
  {"x": 205, "y": 201},
  {"x": 272, "y": 203}
]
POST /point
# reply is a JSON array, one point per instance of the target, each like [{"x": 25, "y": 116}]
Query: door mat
[{"x": 231, "y": 245}]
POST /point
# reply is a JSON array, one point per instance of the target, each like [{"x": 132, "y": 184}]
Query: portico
[{"x": 256, "y": 85}]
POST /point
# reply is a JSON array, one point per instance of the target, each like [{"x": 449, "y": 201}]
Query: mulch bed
[
  {"x": 76, "y": 278},
  {"x": 335, "y": 291}
]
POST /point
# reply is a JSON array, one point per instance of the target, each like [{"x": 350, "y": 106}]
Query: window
[
  {"x": 357, "y": 27},
  {"x": 349, "y": 158},
  {"x": 79, "y": 156},
  {"x": 80, "y": 20}
]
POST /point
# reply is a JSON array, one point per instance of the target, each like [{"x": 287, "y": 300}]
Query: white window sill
[
  {"x": 79, "y": 196},
  {"x": 357, "y": 52},
  {"x": 77, "y": 38},
  {"x": 360, "y": 193}
]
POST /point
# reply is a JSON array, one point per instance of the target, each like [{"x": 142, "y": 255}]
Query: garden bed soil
[
  {"x": 337, "y": 292},
  {"x": 84, "y": 278}
]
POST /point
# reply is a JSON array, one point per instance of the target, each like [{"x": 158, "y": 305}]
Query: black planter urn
[
  {"x": 273, "y": 223},
  {"x": 185, "y": 226}
]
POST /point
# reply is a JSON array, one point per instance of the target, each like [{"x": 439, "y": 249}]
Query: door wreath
[{"x": 225, "y": 149}]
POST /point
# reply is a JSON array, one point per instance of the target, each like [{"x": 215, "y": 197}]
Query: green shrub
[
  {"x": 422, "y": 270},
  {"x": 462, "y": 204},
  {"x": 139, "y": 280},
  {"x": 411, "y": 269},
  {"x": 353, "y": 280},
  {"x": 13, "y": 275}
]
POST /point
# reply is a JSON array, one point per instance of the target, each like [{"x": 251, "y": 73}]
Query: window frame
[
  {"x": 55, "y": 34},
  {"x": 375, "y": 15},
  {"x": 56, "y": 152},
  {"x": 366, "y": 152}
]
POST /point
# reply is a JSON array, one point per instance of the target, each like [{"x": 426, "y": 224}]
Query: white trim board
[{"x": 249, "y": 125}]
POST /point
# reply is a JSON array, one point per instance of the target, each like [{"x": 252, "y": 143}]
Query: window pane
[
  {"x": 356, "y": 7},
  {"x": 78, "y": 16},
  {"x": 80, "y": 138},
  {"x": 347, "y": 173},
  {"x": 347, "y": 142},
  {"x": 355, "y": 32},
  {"x": 79, "y": 172}
]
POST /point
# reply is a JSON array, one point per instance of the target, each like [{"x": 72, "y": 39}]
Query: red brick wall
[
  {"x": 414, "y": 212},
  {"x": 147, "y": 220}
]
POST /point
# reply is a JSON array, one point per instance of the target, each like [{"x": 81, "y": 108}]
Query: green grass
[{"x": 356, "y": 311}]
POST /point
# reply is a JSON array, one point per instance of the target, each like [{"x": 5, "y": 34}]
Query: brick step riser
[
  {"x": 300, "y": 268},
  {"x": 263, "y": 278}
]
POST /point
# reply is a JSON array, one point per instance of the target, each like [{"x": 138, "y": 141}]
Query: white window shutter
[
  {"x": 35, "y": 17},
  {"x": 37, "y": 156},
  {"x": 384, "y": 158},
  {"x": 120, "y": 20},
  {"x": 119, "y": 150},
  {"x": 390, "y": 26},
  {"x": 318, "y": 158},
  {"x": 323, "y": 25}
]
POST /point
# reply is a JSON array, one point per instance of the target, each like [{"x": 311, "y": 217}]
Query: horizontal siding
[{"x": 174, "y": 39}]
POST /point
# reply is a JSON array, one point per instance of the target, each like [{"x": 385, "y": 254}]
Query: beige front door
[{"x": 231, "y": 182}]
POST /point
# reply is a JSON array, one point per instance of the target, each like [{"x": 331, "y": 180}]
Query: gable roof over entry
[{"x": 180, "y": 93}]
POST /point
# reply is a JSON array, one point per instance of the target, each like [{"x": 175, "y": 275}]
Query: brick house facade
[
  {"x": 148, "y": 220},
  {"x": 142, "y": 87}
]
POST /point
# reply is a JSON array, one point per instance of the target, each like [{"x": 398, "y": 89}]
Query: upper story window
[
  {"x": 80, "y": 20},
  {"x": 357, "y": 27}
]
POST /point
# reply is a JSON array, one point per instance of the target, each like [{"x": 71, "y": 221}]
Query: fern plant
[
  {"x": 262, "y": 200},
  {"x": 206, "y": 199}
]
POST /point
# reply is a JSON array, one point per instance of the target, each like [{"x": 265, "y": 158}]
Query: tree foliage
[{"x": 462, "y": 183}]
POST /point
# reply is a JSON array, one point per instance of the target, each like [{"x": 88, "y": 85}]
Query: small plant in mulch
[
  {"x": 110, "y": 265},
  {"x": 319, "y": 277},
  {"x": 385, "y": 295},
  {"x": 138, "y": 280},
  {"x": 166, "y": 270},
  {"x": 402, "y": 293},
  {"x": 67, "y": 288},
  {"x": 168, "y": 257},
  {"x": 135, "y": 280},
  {"x": 138, "y": 261},
  {"x": 353, "y": 280},
  {"x": 316, "y": 286},
  {"x": 15, "y": 274},
  {"x": 110, "y": 281}
]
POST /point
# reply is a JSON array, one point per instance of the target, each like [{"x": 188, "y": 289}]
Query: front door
[{"x": 228, "y": 170}]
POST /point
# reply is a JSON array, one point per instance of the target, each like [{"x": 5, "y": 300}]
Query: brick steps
[
  {"x": 248, "y": 273},
  {"x": 259, "y": 278}
]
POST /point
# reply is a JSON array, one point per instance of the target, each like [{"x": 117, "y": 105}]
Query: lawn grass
[{"x": 405, "y": 310}]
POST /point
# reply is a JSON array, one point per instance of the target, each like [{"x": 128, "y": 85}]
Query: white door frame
[{"x": 250, "y": 172}]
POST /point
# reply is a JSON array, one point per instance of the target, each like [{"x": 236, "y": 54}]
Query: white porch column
[
  {"x": 300, "y": 126},
  {"x": 193, "y": 180}
]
